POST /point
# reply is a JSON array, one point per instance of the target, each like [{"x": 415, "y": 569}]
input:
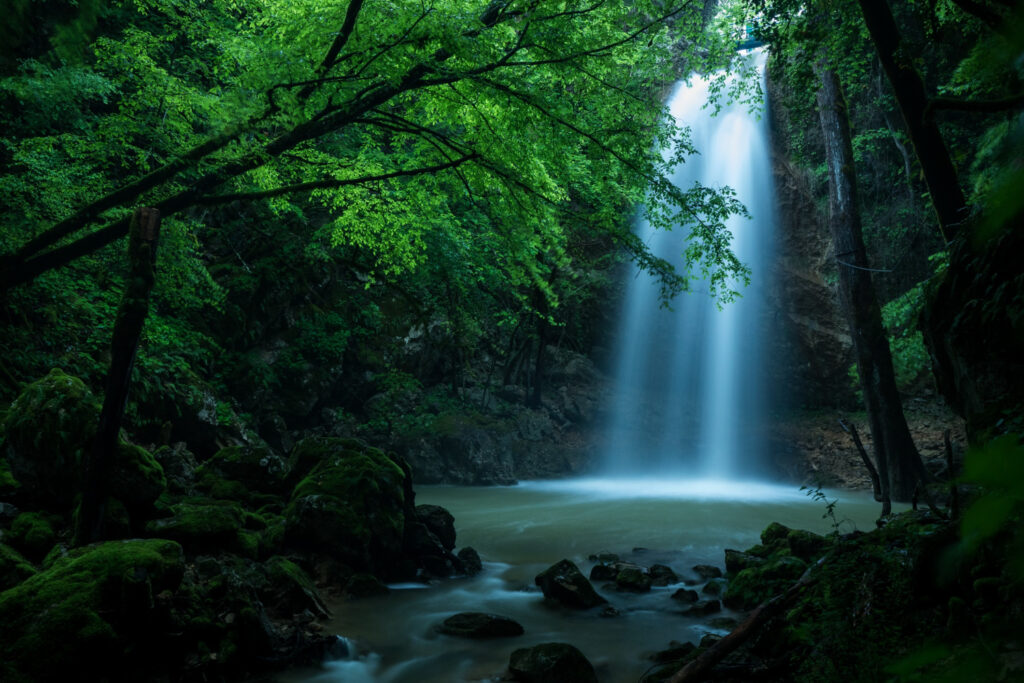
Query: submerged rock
[
  {"x": 440, "y": 522},
  {"x": 707, "y": 571},
  {"x": 685, "y": 595},
  {"x": 479, "y": 625},
  {"x": 551, "y": 663},
  {"x": 470, "y": 559},
  {"x": 662, "y": 575},
  {"x": 563, "y": 583},
  {"x": 633, "y": 579}
]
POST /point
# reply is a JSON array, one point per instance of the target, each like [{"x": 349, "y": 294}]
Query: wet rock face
[
  {"x": 440, "y": 522},
  {"x": 564, "y": 584},
  {"x": 551, "y": 663},
  {"x": 812, "y": 351}
]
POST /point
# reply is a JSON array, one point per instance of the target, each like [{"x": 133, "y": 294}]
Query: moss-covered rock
[
  {"x": 91, "y": 609},
  {"x": 200, "y": 525},
  {"x": 48, "y": 428},
  {"x": 290, "y": 590},
  {"x": 239, "y": 470},
  {"x": 136, "y": 478},
  {"x": 14, "y": 568},
  {"x": 352, "y": 507},
  {"x": 34, "y": 533},
  {"x": 752, "y": 586},
  {"x": 313, "y": 450}
]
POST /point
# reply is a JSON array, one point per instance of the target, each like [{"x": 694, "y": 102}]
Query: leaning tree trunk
[
  {"x": 145, "y": 229},
  {"x": 929, "y": 147},
  {"x": 899, "y": 463}
]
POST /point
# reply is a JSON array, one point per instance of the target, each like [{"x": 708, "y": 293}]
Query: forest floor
[{"x": 815, "y": 450}]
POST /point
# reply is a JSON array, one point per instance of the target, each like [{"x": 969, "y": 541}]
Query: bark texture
[
  {"x": 145, "y": 228},
  {"x": 899, "y": 464}
]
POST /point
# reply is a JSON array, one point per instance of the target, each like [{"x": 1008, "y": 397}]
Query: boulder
[
  {"x": 34, "y": 533},
  {"x": 675, "y": 652},
  {"x": 46, "y": 433},
  {"x": 440, "y": 522},
  {"x": 365, "y": 585},
  {"x": 685, "y": 595},
  {"x": 93, "y": 607},
  {"x": 713, "y": 587},
  {"x": 564, "y": 584},
  {"x": 250, "y": 467},
  {"x": 351, "y": 507},
  {"x": 603, "y": 572},
  {"x": 707, "y": 571},
  {"x": 479, "y": 625},
  {"x": 662, "y": 575},
  {"x": 736, "y": 561},
  {"x": 703, "y": 608},
  {"x": 179, "y": 465},
  {"x": 551, "y": 663},
  {"x": 470, "y": 560},
  {"x": 289, "y": 590},
  {"x": 754, "y": 585},
  {"x": 633, "y": 579},
  {"x": 136, "y": 479},
  {"x": 806, "y": 545},
  {"x": 200, "y": 525},
  {"x": 14, "y": 568}
]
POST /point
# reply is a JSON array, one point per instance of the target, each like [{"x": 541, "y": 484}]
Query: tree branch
[
  {"x": 328, "y": 183},
  {"x": 983, "y": 106}
]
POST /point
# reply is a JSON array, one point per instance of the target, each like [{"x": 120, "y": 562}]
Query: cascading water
[{"x": 689, "y": 386}]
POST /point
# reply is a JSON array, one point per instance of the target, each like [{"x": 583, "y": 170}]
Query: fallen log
[{"x": 698, "y": 668}]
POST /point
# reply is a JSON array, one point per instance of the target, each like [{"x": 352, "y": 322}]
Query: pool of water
[{"x": 521, "y": 530}]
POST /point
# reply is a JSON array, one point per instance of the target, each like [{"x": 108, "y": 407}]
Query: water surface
[{"x": 521, "y": 530}]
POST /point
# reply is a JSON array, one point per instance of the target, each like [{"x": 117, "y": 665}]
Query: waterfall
[{"x": 688, "y": 382}]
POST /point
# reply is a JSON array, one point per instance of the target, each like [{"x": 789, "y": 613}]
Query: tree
[
  {"x": 899, "y": 463},
  {"x": 943, "y": 183},
  {"x": 399, "y": 118}
]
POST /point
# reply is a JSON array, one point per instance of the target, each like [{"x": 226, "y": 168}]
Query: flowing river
[{"x": 521, "y": 530}]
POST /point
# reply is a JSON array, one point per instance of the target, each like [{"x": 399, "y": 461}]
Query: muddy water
[{"x": 521, "y": 530}]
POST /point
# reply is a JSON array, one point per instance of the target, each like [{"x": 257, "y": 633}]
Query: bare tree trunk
[
  {"x": 899, "y": 464},
  {"x": 144, "y": 231},
  {"x": 939, "y": 173}
]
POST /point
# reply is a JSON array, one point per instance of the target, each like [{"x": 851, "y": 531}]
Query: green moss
[
  {"x": 137, "y": 478},
  {"x": 34, "y": 533},
  {"x": 754, "y": 585},
  {"x": 14, "y": 568},
  {"x": 77, "y": 615},
  {"x": 8, "y": 484},
  {"x": 48, "y": 428},
  {"x": 247, "y": 544},
  {"x": 239, "y": 470},
  {"x": 199, "y": 524},
  {"x": 313, "y": 450},
  {"x": 352, "y": 506}
]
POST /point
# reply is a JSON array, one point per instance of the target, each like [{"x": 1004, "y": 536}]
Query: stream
[{"x": 521, "y": 530}]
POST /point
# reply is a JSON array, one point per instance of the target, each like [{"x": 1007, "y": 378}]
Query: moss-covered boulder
[
  {"x": 34, "y": 533},
  {"x": 754, "y": 585},
  {"x": 238, "y": 471},
  {"x": 352, "y": 507},
  {"x": 136, "y": 479},
  {"x": 204, "y": 525},
  {"x": 46, "y": 432},
  {"x": 92, "y": 612},
  {"x": 14, "y": 568},
  {"x": 311, "y": 451}
]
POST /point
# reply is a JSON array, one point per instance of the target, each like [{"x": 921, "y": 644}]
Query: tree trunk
[
  {"x": 899, "y": 464},
  {"x": 929, "y": 147},
  {"x": 145, "y": 228}
]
